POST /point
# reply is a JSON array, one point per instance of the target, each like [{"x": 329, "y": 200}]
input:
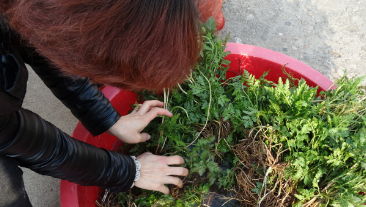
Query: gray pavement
[
  {"x": 44, "y": 191},
  {"x": 328, "y": 35}
]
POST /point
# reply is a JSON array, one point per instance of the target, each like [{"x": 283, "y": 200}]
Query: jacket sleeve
[
  {"x": 13, "y": 78},
  {"x": 45, "y": 149},
  {"x": 79, "y": 94},
  {"x": 40, "y": 146}
]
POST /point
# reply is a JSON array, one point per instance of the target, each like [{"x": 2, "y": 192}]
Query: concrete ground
[
  {"x": 44, "y": 191},
  {"x": 328, "y": 35}
]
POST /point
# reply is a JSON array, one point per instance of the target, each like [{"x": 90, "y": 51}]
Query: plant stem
[
  {"x": 208, "y": 110},
  {"x": 180, "y": 87},
  {"x": 183, "y": 110},
  {"x": 265, "y": 186}
]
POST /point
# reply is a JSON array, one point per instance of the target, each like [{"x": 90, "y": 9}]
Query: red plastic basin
[{"x": 254, "y": 59}]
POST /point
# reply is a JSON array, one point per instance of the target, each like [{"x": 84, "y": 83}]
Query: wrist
[
  {"x": 117, "y": 129},
  {"x": 138, "y": 167}
]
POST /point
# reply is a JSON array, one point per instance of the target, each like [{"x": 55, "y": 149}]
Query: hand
[
  {"x": 128, "y": 128},
  {"x": 155, "y": 172}
]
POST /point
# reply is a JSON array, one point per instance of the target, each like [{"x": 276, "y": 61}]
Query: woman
[{"x": 72, "y": 46}]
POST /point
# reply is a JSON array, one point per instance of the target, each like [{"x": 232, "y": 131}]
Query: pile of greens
[{"x": 257, "y": 142}]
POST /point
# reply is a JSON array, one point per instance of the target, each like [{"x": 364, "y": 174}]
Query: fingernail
[{"x": 149, "y": 137}]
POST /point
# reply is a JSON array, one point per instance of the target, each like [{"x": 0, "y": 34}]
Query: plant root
[
  {"x": 111, "y": 201},
  {"x": 259, "y": 163}
]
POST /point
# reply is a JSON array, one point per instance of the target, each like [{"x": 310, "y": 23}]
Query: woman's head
[{"x": 132, "y": 44}]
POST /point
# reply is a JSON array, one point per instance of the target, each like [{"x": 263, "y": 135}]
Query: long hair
[{"x": 131, "y": 44}]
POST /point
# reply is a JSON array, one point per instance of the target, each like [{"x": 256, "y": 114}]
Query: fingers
[
  {"x": 175, "y": 160},
  {"x": 155, "y": 172},
  {"x": 136, "y": 109},
  {"x": 146, "y": 106},
  {"x": 144, "y": 137},
  {"x": 163, "y": 189},
  {"x": 157, "y": 111},
  {"x": 180, "y": 171},
  {"x": 173, "y": 180},
  {"x": 170, "y": 180}
]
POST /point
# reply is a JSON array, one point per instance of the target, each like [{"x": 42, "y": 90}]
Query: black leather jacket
[{"x": 39, "y": 145}]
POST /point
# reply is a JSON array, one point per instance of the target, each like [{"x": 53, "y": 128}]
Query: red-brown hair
[{"x": 131, "y": 44}]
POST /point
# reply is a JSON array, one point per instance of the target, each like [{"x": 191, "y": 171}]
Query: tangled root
[{"x": 260, "y": 163}]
